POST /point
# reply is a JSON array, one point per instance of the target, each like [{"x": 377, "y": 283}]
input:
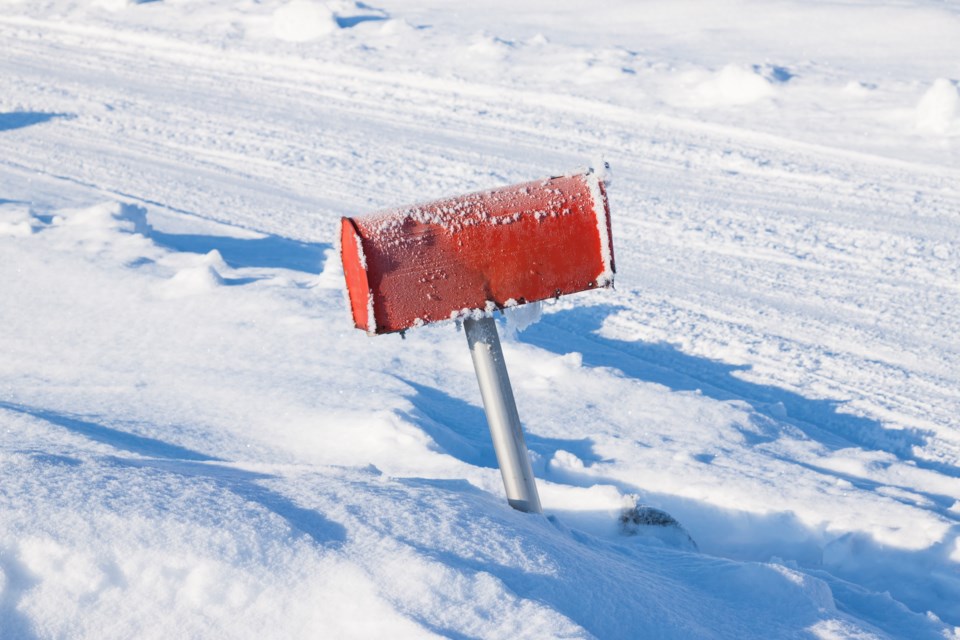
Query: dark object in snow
[
  {"x": 637, "y": 519},
  {"x": 639, "y": 515}
]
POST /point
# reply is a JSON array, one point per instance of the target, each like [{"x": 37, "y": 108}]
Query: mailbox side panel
[{"x": 353, "y": 256}]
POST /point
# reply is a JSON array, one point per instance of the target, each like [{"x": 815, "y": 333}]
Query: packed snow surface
[{"x": 756, "y": 435}]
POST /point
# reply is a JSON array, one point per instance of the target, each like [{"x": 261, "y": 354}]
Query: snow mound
[
  {"x": 939, "y": 109},
  {"x": 397, "y": 27},
  {"x": 107, "y": 217},
  {"x": 304, "y": 20},
  {"x": 107, "y": 227},
  {"x": 491, "y": 47},
  {"x": 730, "y": 87},
  {"x": 733, "y": 86},
  {"x": 190, "y": 282},
  {"x": 15, "y": 221},
  {"x": 331, "y": 277}
]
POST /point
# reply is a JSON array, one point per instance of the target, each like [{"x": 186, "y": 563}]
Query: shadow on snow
[
  {"x": 912, "y": 576},
  {"x": 915, "y": 577},
  {"x": 460, "y": 429},
  {"x": 575, "y": 330},
  {"x": 272, "y": 252},
  {"x": 186, "y": 462},
  {"x": 21, "y": 119},
  {"x": 374, "y": 15}
]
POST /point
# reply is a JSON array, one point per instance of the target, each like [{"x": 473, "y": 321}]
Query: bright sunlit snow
[{"x": 756, "y": 435}]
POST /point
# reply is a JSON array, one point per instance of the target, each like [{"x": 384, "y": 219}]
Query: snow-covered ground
[{"x": 195, "y": 442}]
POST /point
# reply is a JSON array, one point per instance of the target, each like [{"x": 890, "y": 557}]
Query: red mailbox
[{"x": 484, "y": 251}]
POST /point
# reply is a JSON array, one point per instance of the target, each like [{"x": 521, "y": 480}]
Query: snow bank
[
  {"x": 731, "y": 86},
  {"x": 219, "y": 506},
  {"x": 16, "y": 220},
  {"x": 938, "y": 111},
  {"x": 191, "y": 281},
  {"x": 155, "y": 561},
  {"x": 304, "y": 20}
]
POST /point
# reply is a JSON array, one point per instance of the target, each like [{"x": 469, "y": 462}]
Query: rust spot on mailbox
[{"x": 413, "y": 265}]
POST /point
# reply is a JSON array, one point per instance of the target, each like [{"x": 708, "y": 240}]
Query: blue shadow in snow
[
  {"x": 21, "y": 119},
  {"x": 186, "y": 462},
  {"x": 271, "y": 252},
  {"x": 352, "y": 21},
  {"x": 460, "y": 429},
  {"x": 897, "y": 571},
  {"x": 19, "y": 580},
  {"x": 348, "y": 22},
  {"x": 607, "y": 586},
  {"x": 774, "y": 73},
  {"x": 942, "y": 502},
  {"x": 107, "y": 435},
  {"x": 575, "y": 330},
  {"x": 243, "y": 483}
]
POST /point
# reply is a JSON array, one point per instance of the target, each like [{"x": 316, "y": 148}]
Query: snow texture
[
  {"x": 756, "y": 435},
  {"x": 939, "y": 109}
]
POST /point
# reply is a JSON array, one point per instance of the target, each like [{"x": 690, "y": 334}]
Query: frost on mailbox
[{"x": 414, "y": 265}]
